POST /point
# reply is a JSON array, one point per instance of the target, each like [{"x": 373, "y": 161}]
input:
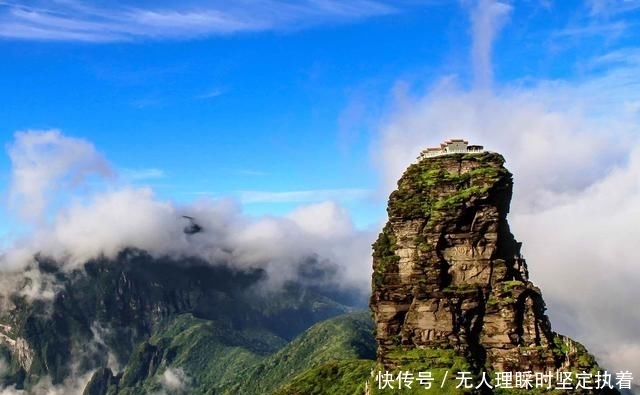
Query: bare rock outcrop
[
  {"x": 19, "y": 347},
  {"x": 449, "y": 276}
]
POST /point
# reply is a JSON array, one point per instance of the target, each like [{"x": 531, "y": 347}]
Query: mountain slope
[
  {"x": 217, "y": 360},
  {"x": 346, "y": 337},
  {"x": 105, "y": 310},
  {"x": 341, "y": 377}
]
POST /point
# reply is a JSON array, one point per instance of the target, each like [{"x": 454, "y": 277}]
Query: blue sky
[
  {"x": 284, "y": 105},
  {"x": 276, "y": 98}
]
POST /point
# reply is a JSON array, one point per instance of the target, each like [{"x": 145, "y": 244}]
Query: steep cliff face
[{"x": 449, "y": 277}]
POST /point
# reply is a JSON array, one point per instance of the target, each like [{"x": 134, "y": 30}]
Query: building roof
[{"x": 442, "y": 149}]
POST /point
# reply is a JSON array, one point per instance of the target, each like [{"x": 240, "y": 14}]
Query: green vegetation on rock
[
  {"x": 433, "y": 185},
  {"x": 384, "y": 254}
]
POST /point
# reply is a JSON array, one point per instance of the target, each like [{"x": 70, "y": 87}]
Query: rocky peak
[{"x": 449, "y": 278}]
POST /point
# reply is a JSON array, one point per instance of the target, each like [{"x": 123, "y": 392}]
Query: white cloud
[
  {"x": 174, "y": 381},
  {"x": 107, "y": 220},
  {"x": 325, "y": 219},
  {"x": 98, "y": 342},
  {"x": 71, "y": 386},
  {"x": 87, "y": 21},
  {"x": 45, "y": 163},
  {"x": 211, "y": 94},
  {"x": 487, "y": 18},
  {"x": 581, "y": 253},
  {"x": 112, "y": 221}
]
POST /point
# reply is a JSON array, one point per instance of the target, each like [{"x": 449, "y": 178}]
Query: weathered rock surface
[{"x": 449, "y": 275}]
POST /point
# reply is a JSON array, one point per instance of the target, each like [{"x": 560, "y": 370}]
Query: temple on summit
[{"x": 452, "y": 146}]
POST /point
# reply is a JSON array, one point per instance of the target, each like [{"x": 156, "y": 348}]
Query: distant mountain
[{"x": 141, "y": 315}]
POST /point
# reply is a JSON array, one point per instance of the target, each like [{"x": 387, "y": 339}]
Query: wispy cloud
[
  {"x": 306, "y": 196},
  {"x": 40, "y": 170},
  {"x": 608, "y": 29},
  {"x": 612, "y": 7},
  {"x": 79, "y": 20},
  {"x": 487, "y": 18},
  {"x": 610, "y": 19},
  {"x": 210, "y": 94},
  {"x": 619, "y": 57}
]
